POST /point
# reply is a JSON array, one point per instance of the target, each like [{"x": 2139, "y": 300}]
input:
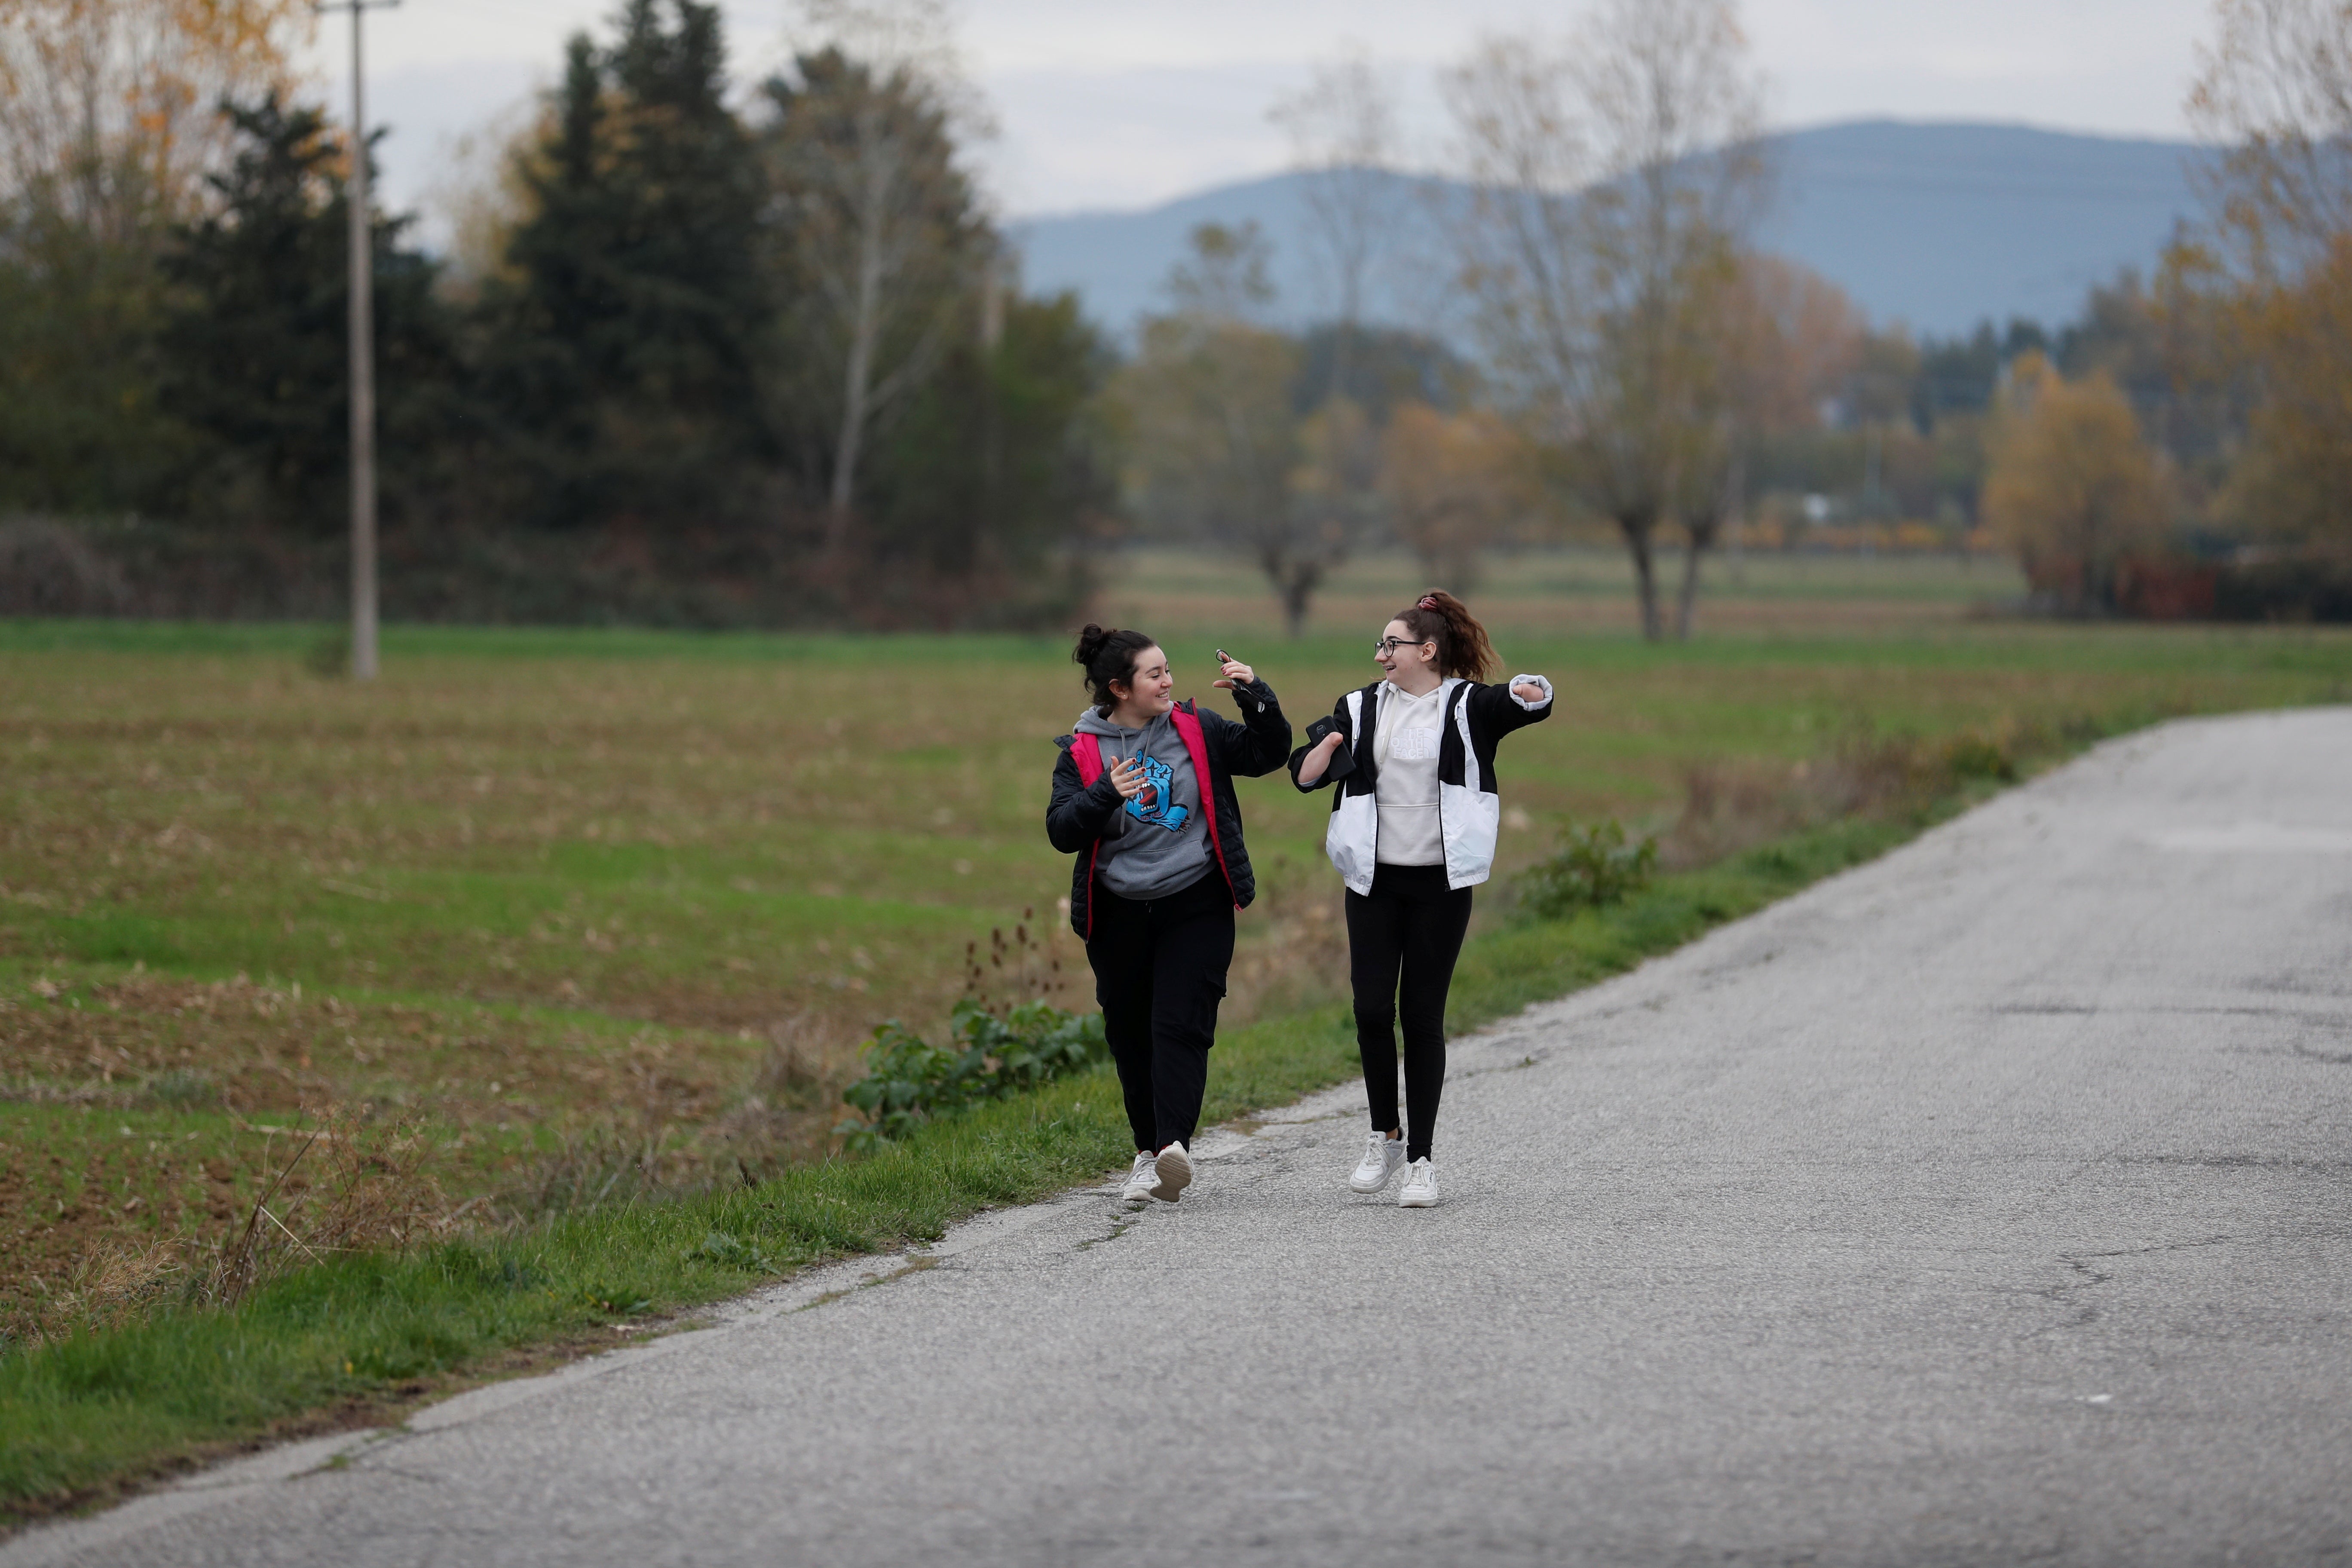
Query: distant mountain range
[{"x": 1938, "y": 226}]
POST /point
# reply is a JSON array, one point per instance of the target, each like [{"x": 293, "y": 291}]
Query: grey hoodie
[{"x": 1150, "y": 851}]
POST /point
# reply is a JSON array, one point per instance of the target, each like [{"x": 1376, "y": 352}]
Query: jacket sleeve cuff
[{"x": 1519, "y": 681}]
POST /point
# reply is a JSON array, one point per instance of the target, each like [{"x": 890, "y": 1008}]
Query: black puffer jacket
[{"x": 1256, "y": 746}]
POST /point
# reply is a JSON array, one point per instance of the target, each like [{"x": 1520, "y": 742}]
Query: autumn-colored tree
[
  {"x": 109, "y": 108},
  {"x": 2073, "y": 487},
  {"x": 1784, "y": 338},
  {"x": 2293, "y": 480},
  {"x": 1452, "y": 482},
  {"x": 2266, "y": 290},
  {"x": 109, "y": 125}
]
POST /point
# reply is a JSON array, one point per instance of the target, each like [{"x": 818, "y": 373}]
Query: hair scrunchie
[{"x": 1428, "y": 602}]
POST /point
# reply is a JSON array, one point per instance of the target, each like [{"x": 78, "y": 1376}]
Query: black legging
[
  {"x": 1411, "y": 924},
  {"x": 1160, "y": 973}
]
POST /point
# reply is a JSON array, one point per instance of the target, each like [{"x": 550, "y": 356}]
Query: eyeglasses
[{"x": 1390, "y": 645}]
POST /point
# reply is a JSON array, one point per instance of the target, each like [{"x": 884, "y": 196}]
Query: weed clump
[
  {"x": 368, "y": 1188},
  {"x": 1593, "y": 868},
  {"x": 182, "y": 1087},
  {"x": 910, "y": 1081}
]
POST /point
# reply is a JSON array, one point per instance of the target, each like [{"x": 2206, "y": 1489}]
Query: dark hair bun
[{"x": 1108, "y": 656}]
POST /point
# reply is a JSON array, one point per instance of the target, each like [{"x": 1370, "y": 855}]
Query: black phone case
[{"x": 1343, "y": 760}]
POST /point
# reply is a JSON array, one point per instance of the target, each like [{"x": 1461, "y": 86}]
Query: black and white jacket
[{"x": 1469, "y": 812}]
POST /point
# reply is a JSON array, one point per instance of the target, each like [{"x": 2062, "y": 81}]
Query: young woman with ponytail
[
  {"x": 1413, "y": 831},
  {"x": 1143, "y": 795}
]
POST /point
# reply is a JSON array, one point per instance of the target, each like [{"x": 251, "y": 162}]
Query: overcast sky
[{"x": 1118, "y": 103}]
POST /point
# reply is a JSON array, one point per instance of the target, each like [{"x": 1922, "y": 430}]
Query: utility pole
[{"x": 363, "y": 354}]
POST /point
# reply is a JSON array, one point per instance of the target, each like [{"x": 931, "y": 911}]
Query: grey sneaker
[
  {"x": 1140, "y": 1179},
  {"x": 1419, "y": 1186},
  {"x": 1382, "y": 1155},
  {"x": 1174, "y": 1169}
]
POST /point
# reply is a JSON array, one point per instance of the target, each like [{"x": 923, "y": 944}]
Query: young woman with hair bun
[
  {"x": 1411, "y": 833},
  {"x": 1143, "y": 795}
]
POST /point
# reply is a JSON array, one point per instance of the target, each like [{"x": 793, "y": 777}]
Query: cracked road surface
[{"x": 1988, "y": 1203}]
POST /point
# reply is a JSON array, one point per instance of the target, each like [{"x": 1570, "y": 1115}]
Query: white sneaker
[
  {"x": 1174, "y": 1170},
  {"x": 1140, "y": 1180},
  {"x": 1382, "y": 1155},
  {"x": 1419, "y": 1186}
]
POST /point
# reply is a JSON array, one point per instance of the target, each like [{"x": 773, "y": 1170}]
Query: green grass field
[{"x": 603, "y": 914}]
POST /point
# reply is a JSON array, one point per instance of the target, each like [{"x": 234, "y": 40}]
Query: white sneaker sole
[
  {"x": 1409, "y": 1199},
  {"x": 1174, "y": 1168},
  {"x": 1355, "y": 1182}
]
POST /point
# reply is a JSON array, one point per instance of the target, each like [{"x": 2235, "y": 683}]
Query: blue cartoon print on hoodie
[{"x": 1157, "y": 777}]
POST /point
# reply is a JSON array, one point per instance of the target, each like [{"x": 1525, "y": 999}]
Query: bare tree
[
  {"x": 1228, "y": 279},
  {"x": 1342, "y": 129},
  {"x": 883, "y": 228},
  {"x": 2274, "y": 91},
  {"x": 1218, "y": 449},
  {"x": 1615, "y": 177}
]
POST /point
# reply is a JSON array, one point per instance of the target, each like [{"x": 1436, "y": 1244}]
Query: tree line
[
  {"x": 1634, "y": 362},
  {"x": 768, "y": 362}
]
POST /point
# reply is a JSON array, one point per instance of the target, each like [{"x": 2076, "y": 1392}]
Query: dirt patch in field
[{"x": 140, "y": 1116}]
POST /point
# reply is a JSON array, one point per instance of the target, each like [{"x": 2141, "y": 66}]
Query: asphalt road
[{"x": 1988, "y": 1204}]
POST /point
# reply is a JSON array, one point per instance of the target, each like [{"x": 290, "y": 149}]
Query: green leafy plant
[
  {"x": 1594, "y": 867},
  {"x": 910, "y": 1081}
]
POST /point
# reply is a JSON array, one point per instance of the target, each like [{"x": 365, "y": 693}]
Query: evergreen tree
[
  {"x": 80, "y": 428},
  {"x": 254, "y": 349},
  {"x": 996, "y": 463},
  {"x": 621, "y": 343}
]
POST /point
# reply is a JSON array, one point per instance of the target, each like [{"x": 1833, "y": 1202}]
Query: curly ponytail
[
  {"x": 1108, "y": 656},
  {"x": 1462, "y": 646}
]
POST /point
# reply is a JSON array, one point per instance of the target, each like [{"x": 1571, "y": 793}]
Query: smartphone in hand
[{"x": 1320, "y": 730}]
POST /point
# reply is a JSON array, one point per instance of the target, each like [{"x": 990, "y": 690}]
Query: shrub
[
  {"x": 910, "y": 1081},
  {"x": 1974, "y": 756},
  {"x": 1592, "y": 867}
]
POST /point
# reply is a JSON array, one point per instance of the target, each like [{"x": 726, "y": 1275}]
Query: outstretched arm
[{"x": 1503, "y": 709}]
